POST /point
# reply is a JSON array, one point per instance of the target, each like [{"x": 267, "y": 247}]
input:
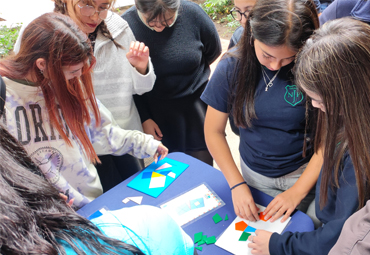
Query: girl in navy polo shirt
[
  {"x": 333, "y": 69},
  {"x": 254, "y": 83}
]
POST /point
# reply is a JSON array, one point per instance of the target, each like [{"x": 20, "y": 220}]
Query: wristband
[{"x": 233, "y": 187}]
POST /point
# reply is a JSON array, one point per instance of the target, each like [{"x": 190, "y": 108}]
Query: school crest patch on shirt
[{"x": 292, "y": 96}]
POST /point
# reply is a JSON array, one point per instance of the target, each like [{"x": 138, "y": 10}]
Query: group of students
[{"x": 298, "y": 94}]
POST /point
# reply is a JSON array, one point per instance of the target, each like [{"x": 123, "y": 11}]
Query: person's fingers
[
  {"x": 286, "y": 216},
  {"x": 270, "y": 206},
  {"x": 158, "y": 131},
  {"x": 254, "y": 211},
  {"x": 141, "y": 47},
  {"x": 70, "y": 203},
  {"x": 146, "y": 51},
  {"x": 275, "y": 213},
  {"x": 64, "y": 197},
  {"x": 132, "y": 45}
]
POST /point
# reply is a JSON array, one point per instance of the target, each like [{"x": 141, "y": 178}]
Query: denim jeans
[{"x": 275, "y": 186}]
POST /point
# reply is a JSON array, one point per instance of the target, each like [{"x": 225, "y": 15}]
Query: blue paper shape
[
  {"x": 250, "y": 229},
  {"x": 147, "y": 175},
  {"x": 141, "y": 183},
  {"x": 194, "y": 206},
  {"x": 95, "y": 215},
  {"x": 165, "y": 172}
]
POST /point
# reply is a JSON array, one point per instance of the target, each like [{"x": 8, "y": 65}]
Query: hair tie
[{"x": 233, "y": 187}]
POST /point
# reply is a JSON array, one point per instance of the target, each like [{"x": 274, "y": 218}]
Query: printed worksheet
[{"x": 193, "y": 204}]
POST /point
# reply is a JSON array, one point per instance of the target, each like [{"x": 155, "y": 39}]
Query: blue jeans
[{"x": 275, "y": 186}]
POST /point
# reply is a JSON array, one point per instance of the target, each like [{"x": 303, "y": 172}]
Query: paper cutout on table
[
  {"x": 201, "y": 242},
  {"x": 244, "y": 236},
  {"x": 97, "y": 214},
  {"x": 226, "y": 218},
  {"x": 157, "y": 181},
  {"x": 235, "y": 238},
  {"x": 153, "y": 182},
  {"x": 164, "y": 166},
  {"x": 211, "y": 240},
  {"x": 240, "y": 226},
  {"x": 136, "y": 200},
  {"x": 217, "y": 218},
  {"x": 198, "y": 237},
  {"x": 203, "y": 239},
  {"x": 171, "y": 174},
  {"x": 192, "y": 204},
  {"x": 165, "y": 172},
  {"x": 262, "y": 217}
]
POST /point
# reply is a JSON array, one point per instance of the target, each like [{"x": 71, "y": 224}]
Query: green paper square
[
  {"x": 204, "y": 238},
  {"x": 226, "y": 217},
  {"x": 198, "y": 237},
  {"x": 211, "y": 240},
  {"x": 217, "y": 218},
  {"x": 199, "y": 248},
  {"x": 244, "y": 236}
]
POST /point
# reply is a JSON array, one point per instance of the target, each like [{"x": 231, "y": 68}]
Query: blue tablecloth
[{"x": 196, "y": 174}]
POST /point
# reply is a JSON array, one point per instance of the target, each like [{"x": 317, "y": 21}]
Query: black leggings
[{"x": 115, "y": 169}]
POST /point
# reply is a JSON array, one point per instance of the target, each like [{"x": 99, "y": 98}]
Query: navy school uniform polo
[{"x": 273, "y": 145}]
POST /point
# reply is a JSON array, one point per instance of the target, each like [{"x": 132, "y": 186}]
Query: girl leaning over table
[
  {"x": 333, "y": 69},
  {"x": 123, "y": 69},
  {"x": 254, "y": 83},
  {"x": 35, "y": 219},
  {"x": 52, "y": 110}
]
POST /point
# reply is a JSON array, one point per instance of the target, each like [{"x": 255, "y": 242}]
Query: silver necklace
[{"x": 271, "y": 81}]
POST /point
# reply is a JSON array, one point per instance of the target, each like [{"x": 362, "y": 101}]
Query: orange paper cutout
[
  {"x": 262, "y": 217},
  {"x": 241, "y": 225}
]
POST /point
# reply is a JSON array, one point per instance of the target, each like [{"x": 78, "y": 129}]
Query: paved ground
[{"x": 18, "y": 11}]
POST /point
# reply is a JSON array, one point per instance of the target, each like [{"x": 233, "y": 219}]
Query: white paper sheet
[{"x": 229, "y": 240}]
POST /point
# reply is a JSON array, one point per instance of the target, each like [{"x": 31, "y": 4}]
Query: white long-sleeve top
[
  {"x": 66, "y": 167},
  {"x": 115, "y": 79}
]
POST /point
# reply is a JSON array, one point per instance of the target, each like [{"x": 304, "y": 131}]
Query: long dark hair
[
  {"x": 157, "y": 8},
  {"x": 335, "y": 64},
  {"x": 33, "y": 216},
  {"x": 274, "y": 23},
  {"x": 59, "y": 41}
]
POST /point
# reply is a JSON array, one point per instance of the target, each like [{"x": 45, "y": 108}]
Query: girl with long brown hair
[
  {"x": 333, "y": 69},
  {"x": 254, "y": 83},
  {"x": 52, "y": 110},
  {"x": 123, "y": 69}
]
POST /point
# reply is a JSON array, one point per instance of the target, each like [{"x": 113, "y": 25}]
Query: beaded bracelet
[{"x": 233, "y": 187}]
